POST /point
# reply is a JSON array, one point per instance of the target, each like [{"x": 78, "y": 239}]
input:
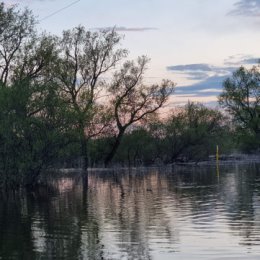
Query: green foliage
[
  {"x": 247, "y": 141},
  {"x": 133, "y": 101},
  {"x": 194, "y": 132},
  {"x": 189, "y": 134},
  {"x": 33, "y": 131},
  {"x": 56, "y": 105},
  {"x": 16, "y": 28},
  {"x": 84, "y": 58},
  {"x": 137, "y": 148},
  {"x": 241, "y": 98}
]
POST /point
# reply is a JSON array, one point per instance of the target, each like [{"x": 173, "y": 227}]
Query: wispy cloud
[
  {"x": 246, "y": 8},
  {"x": 210, "y": 90},
  {"x": 191, "y": 67},
  {"x": 238, "y": 60},
  {"x": 201, "y": 71},
  {"x": 209, "y": 78},
  {"x": 127, "y": 29},
  {"x": 196, "y": 75},
  {"x": 210, "y": 86}
]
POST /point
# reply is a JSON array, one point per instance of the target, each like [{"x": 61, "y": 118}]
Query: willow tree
[
  {"x": 193, "y": 132},
  {"x": 32, "y": 113},
  {"x": 241, "y": 98},
  {"x": 16, "y": 28},
  {"x": 85, "y": 59},
  {"x": 132, "y": 100}
]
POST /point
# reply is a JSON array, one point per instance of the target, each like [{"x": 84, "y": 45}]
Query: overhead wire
[
  {"x": 58, "y": 11},
  {"x": 66, "y": 7}
]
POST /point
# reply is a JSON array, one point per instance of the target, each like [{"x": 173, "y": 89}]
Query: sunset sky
[{"x": 195, "y": 43}]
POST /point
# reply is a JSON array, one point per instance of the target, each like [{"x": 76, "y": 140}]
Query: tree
[
  {"x": 29, "y": 141},
  {"x": 34, "y": 122},
  {"x": 241, "y": 98},
  {"x": 137, "y": 148},
  {"x": 132, "y": 101},
  {"x": 193, "y": 132},
  {"x": 24, "y": 55},
  {"x": 85, "y": 58},
  {"x": 16, "y": 27},
  {"x": 35, "y": 60}
]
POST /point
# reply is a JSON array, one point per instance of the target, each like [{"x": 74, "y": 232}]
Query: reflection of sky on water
[{"x": 167, "y": 215}]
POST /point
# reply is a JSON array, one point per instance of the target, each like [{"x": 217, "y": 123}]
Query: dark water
[{"x": 149, "y": 214}]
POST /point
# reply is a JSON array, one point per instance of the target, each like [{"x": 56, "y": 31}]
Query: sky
[{"x": 195, "y": 43}]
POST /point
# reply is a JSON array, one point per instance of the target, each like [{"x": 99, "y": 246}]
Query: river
[{"x": 185, "y": 213}]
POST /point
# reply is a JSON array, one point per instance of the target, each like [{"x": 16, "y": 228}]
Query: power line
[{"x": 58, "y": 11}]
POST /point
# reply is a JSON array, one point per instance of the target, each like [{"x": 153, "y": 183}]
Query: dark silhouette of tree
[
  {"x": 85, "y": 58},
  {"x": 241, "y": 98},
  {"x": 16, "y": 27},
  {"x": 193, "y": 132},
  {"x": 134, "y": 101}
]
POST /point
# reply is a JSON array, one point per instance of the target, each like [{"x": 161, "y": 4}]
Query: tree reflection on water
[{"x": 148, "y": 214}]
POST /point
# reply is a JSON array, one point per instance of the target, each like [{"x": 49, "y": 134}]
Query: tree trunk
[
  {"x": 114, "y": 148},
  {"x": 84, "y": 150}
]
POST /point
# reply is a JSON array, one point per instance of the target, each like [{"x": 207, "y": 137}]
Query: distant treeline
[{"x": 77, "y": 96}]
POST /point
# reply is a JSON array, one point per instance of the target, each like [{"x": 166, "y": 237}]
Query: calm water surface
[{"x": 144, "y": 214}]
